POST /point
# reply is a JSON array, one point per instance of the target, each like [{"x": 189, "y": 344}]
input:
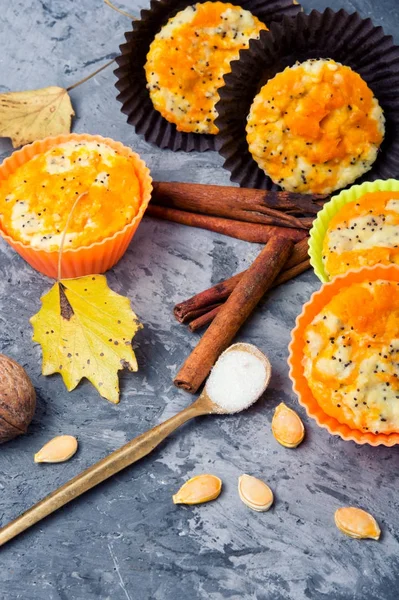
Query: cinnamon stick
[
  {"x": 204, "y": 319},
  {"x": 242, "y": 204},
  {"x": 249, "y": 232},
  {"x": 219, "y": 292},
  {"x": 191, "y": 315},
  {"x": 234, "y": 312},
  {"x": 299, "y": 253},
  {"x": 307, "y": 222},
  {"x": 291, "y": 273},
  {"x": 207, "y": 317},
  {"x": 206, "y": 299}
]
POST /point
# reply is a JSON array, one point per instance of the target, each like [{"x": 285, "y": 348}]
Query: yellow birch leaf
[
  {"x": 85, "y": 330},
  {"x": 35, "y": 114}
]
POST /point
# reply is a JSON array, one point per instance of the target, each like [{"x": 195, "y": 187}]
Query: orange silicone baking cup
[
  {"x": 312, "y": 308},
  {"x": 86, "y": 260}
]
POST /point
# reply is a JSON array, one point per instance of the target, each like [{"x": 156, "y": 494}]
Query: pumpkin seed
[
  {"x": 199, "y": 489},
  {"x": 287, "y": 427},
  {"x": 59, "y": 449},
  {"x": 255, "y": 493},
  {"x": 357, "y": 523}
]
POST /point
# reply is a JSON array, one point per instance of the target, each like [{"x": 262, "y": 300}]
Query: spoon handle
[{"x": 102, "y": 470}]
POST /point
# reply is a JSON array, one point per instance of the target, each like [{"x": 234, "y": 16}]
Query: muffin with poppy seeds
[
  {"x": 315, "y": 127},
  {"x": 188, "y": 58},
  {"x": 363, "y": 233},
  {"x": 70, "y": 205},
  {"x": 351, "y": 356},
  {"x": 36, "y": 200}
]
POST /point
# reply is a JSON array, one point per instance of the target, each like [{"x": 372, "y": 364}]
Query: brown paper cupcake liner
[
  {"x": 131, "y": 80},
  {"x": 346, "y": 38}
]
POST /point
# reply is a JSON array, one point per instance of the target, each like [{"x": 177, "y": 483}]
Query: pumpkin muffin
[
  {"x": 351, "y": 357},
  {"x": 363, "y": 233},
  {"x": 315, "y": 127},
  {"x": 37, "y": 198},
  {"x": 189, "y": 57}
]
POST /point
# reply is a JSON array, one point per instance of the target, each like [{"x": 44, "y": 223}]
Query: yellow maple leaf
[
  {"x": 35, "y": 114},
  {"x": 85, "y": 330}
]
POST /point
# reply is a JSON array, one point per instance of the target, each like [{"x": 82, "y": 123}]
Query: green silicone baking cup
[{"x": 330, "y": 209}]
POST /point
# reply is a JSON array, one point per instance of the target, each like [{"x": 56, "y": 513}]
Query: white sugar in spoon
[{"x": 237, "y": 380}]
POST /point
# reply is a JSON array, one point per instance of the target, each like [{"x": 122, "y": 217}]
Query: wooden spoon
[{"x": 125, "y": 456}]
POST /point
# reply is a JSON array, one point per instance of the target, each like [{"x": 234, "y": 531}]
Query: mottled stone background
[{"x": 126, "y": 540}]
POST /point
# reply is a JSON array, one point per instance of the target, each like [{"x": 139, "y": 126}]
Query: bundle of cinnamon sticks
[
  {"x": 234, "y": 312},
  {"x": 280, "y": 220},
  {"x": 245, "y": 214},
  {"x": 201, "y": 309}
]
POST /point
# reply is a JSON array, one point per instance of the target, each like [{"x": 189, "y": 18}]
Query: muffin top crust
[
  {"x": 351, "y": 357},
  {"x": 363, "y": 233},
  {"x": 36, "y": 200},
  {"x": 315, "y": 127},
  {"x": 188, "y": 58}
]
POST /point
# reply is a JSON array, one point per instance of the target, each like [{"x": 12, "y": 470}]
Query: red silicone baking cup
[
  {"x": 85, "y": 260},
  {"x": 295, "y": 360}
]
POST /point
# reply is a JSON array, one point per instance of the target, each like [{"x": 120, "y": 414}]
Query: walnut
[{"x": 17, "y": 399}]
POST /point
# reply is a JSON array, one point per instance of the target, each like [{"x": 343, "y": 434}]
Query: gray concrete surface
[{"x": 126, "y": 540}]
